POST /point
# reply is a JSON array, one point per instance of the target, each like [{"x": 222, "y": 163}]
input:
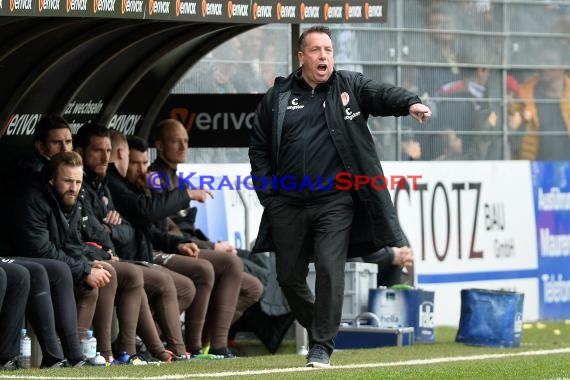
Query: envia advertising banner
[
  {"x": 220, "y": 120},
  {"x": 226, "y": 11}
]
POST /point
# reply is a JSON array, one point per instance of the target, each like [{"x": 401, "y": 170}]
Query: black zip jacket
[
  {"x": 350, "y": 100},
  {"x": 46, "y": 232},
  {"x": 144, "y": 213},
  {"x": 95, "y": 191}
]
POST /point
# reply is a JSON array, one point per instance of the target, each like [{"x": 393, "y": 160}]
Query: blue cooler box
[
  {"x": 405, "y": 308},
  {"x": 490, "y": 318}
]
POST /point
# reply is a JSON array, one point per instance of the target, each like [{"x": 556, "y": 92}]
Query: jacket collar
[{"x": 285, "y": 83}]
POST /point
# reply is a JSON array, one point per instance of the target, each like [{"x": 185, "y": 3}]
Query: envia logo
[
  {"x": 237, "y": 10},
  {"x": 131, "y": 6},
  {"x": 211, "y": 9},
  {"x": 352, "y": 11},
  {"x": 17, "y": 5},
  {"x": 48, "y": 5},
  {"x": 309, "y": 11},
  {"x": 206, "y": 121},
  {"x": 186, "y": 7},
  {"x": 373, "y": 11},
  {"x": 158, "y": 6},
  {"x": 76, "y": 5},
  {"x": 261, "y": 11},
  {"x": 21, "y": 124},
  {"x": 286, "y": 11},
  {"x": 103, "y": 6},
  {"x": 332, "y": 12}
]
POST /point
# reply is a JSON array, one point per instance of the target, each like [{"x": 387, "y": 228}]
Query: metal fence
[{"x": 495, "y": 74}]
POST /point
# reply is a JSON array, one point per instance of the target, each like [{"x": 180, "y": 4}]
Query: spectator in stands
[
  {"x": 448, "y": 146},
  {"x": 473, "y": 113},
  {"x": 411, "y": 149},
  {"x": 14, "y": 290},
  {"x": 268, "y": 65},
  {"x": 168, "y": 297},
  {"x": 312, "y": 141},
  {"x": 545, "y": 99},
  {"x": 250, "y": 46},
  {"x": 146, "y": 210},
  {"x": 518, "y": 117},
  {"x": 219, "y": 72},
  {"x": 171, "y": 141},
  {"x": 51, "y": 226},
  {"x": 385, "y": 139},
  {"x": 441, "y": 47}
]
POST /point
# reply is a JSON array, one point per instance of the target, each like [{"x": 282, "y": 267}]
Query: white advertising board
[{"x": 471, "y": 225}]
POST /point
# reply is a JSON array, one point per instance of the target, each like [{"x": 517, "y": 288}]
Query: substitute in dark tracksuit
[
  {"x": 148, "y": 211},
  {"x": 168, "y": 299},
  {"x": 308, "y": 128},
  {"x": 52, "y": 226}
]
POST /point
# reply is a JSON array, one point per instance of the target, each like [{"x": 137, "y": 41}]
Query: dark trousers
[
  {"x": 51, "y": 309},
  {"x": 318, "y": 232},
  {"x": 14, "y": 289}
]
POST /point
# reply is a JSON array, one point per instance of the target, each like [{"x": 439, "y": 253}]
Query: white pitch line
[{"x": 303, "y": 369}]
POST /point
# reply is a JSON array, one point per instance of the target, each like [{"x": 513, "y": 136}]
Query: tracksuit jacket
[{"x": 351, "y": 98}]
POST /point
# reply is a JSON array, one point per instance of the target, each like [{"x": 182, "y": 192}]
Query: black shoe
[
  {"x": 318, "y": 357},
  {"x": 59, "y": 364},
  {"x": 225, "y": 352},
  {"x": 11, "y": 365},
  {"x": 140, "y": 347},
  {"x": 194, "y": 353},
  {"x": 80, "y": 363}
]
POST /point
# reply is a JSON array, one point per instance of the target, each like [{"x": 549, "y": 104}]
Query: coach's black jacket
[{"x": 375, "y": 224}]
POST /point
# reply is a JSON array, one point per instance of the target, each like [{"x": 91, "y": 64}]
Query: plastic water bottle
[
  {"x": 89, "y": 346},
  {"x": 25, "y": 350},
  {"x": 99, "y": 360}
]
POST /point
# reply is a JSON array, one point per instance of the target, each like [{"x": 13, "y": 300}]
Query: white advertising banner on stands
[{"x": 470, "y": 224}]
